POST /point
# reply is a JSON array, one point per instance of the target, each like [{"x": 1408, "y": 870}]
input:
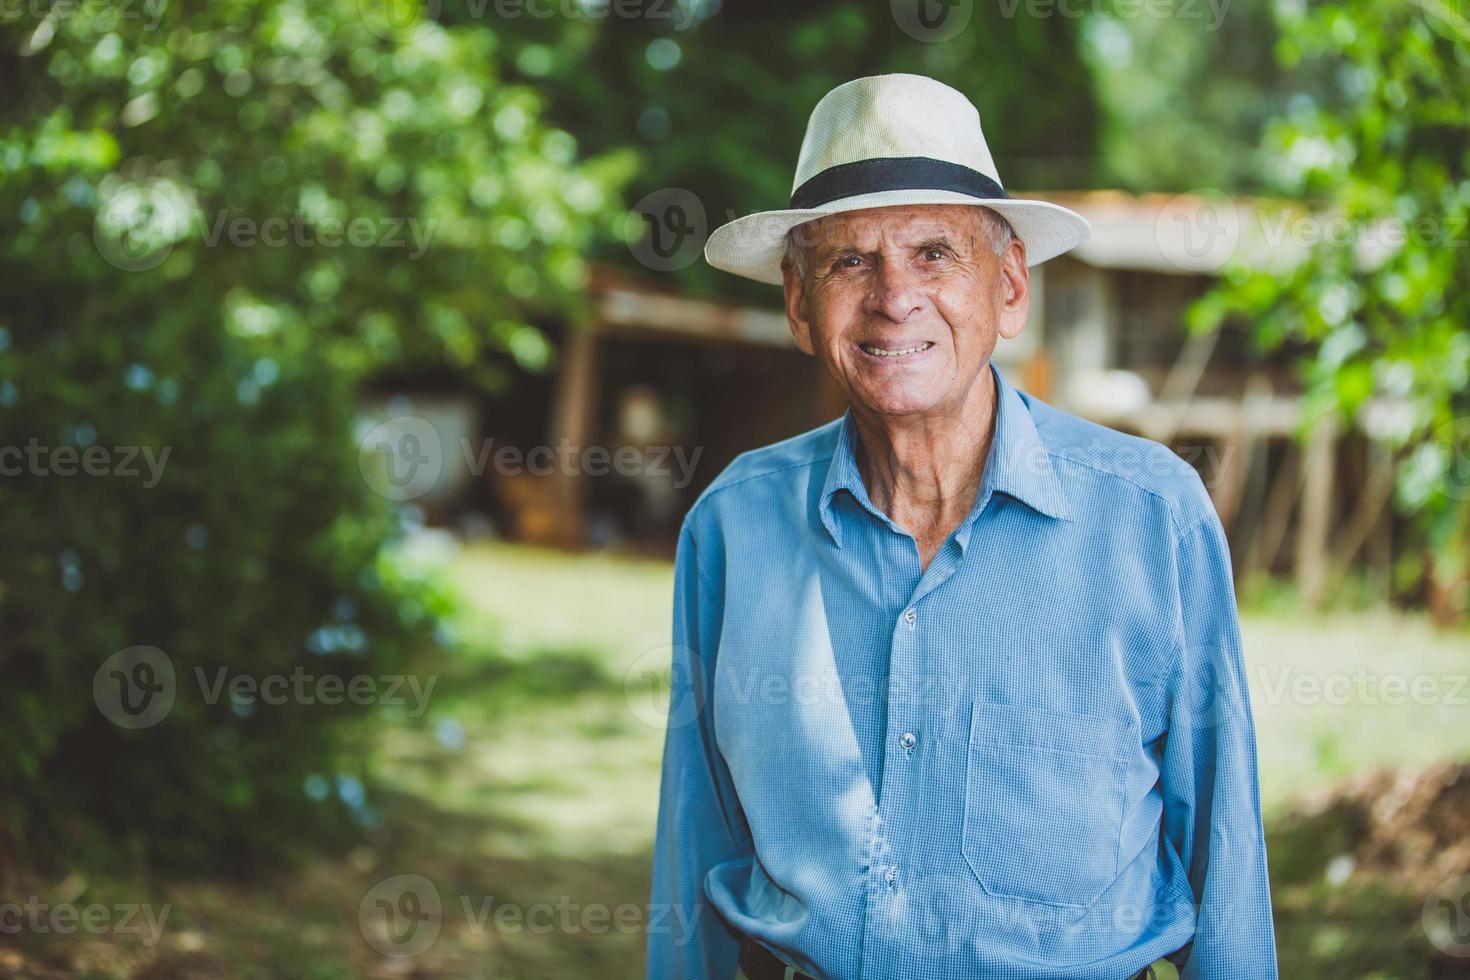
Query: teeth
[{"x": 882, "y": 352}]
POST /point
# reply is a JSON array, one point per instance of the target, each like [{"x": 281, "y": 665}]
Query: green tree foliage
[
  {"x": 1187, "y": 88},
  {"x": 1383, "y": 156},
  {"x": 212, "y": 227}
]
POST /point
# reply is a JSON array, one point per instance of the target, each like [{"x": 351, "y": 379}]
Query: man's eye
[
  {"x": 849, "y": 262},
  {"x": 934, "y": 254}
]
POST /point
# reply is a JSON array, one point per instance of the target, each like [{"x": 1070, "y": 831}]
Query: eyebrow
[
  {"x": 826, "y": 252},
  {"x": 934, "y": 241}
]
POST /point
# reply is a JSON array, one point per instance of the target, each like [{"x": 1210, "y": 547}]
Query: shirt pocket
[{"x": 1043, "y": 803}]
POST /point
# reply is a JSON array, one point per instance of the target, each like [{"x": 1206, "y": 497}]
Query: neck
[{"x": 925, "y": 471}]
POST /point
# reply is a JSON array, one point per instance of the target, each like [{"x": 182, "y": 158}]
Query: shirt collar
[{"x": 1019, "y": 466}]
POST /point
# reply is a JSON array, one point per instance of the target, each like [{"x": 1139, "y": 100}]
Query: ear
[
  {"x": 1015, "y": 286},
  {"x": 797, "y": 315}
]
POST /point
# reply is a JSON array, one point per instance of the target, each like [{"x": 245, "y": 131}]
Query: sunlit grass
[
  {"x": 584, "y": 767},
  {"x": 1339, "y": 693},
  {"x": 523, "y": 600}
]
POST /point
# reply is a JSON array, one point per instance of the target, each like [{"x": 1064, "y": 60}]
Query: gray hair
[{"x": 998, "y": 232}]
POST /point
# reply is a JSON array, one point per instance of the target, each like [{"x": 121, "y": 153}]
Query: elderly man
[{"x": 958, "y": 688}]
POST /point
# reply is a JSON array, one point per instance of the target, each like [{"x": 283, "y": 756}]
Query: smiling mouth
[{"x": 876, "y": 351}]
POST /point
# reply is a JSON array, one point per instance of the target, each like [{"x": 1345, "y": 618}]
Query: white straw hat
[{"x": 890, "y": 140}]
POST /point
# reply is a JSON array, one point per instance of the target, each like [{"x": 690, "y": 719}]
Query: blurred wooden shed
[{"x": 1105, "y": 340}]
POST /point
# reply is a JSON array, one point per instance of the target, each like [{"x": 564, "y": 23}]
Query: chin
[{"x": 899, "y": 403}]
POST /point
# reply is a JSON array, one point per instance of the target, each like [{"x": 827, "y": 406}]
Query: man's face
[{"x": 904, "y": 304}]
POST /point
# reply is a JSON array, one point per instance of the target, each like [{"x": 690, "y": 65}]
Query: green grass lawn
[{"x": 533, "y": 781}]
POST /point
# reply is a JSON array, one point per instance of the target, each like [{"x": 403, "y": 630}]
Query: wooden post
[
  {"x": 1036, "y": 376},
  {"x": 1084, "y": 347},
  {"x": 1314, "y": 524},
  {"x": 1232, "y": 460},
  {"x": 1254, "y": 458},
  {"x": 1372, "y": 502},
  {"x": 573, "y": 420},
  {"x": 1286, "y": 486},
  {"x": 1235, "y": 445},
  {"x": 1380, "y": 542}
]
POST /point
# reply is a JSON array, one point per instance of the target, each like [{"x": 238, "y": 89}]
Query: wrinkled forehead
[{"x": 905, "y": 224}]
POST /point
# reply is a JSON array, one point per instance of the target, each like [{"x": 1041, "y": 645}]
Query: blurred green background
[{"x": 247, "y": 246}]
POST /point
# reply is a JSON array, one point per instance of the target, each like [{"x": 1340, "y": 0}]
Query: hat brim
[{"x": 753, "y": 246}]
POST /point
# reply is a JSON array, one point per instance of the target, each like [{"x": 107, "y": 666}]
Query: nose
[{"x": 894, "y": 293}]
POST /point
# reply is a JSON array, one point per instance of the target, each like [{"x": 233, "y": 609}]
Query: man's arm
[
  {"x": 1212, "y": 804},
  {"x": 700, "y": 823}
]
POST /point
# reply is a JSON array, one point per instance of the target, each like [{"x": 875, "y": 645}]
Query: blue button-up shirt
[{"x": 1032, "y": 759}]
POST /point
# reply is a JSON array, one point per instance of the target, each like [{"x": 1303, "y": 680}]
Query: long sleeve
[
  {"x": 1212, "y": 808},
  {"x": 700, "y": 823}
]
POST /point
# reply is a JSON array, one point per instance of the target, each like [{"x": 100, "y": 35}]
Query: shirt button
[
  {"x": 908, "y": 740},
  {"x": 909, "y": 616},
  {"x": 891, "y": 875}
]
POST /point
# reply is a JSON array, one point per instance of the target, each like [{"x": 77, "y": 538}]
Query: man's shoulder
[
  {"x": 1111, "y": 462},
  {"x": 787, "y": 461}
]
